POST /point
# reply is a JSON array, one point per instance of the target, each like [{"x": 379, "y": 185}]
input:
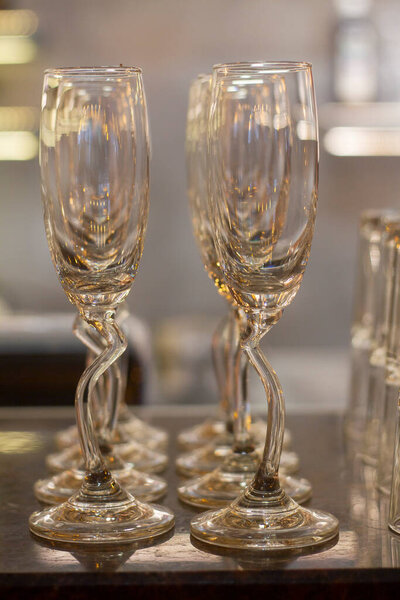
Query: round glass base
[
  {"x": 103, "y": 519},
  {"x": 125, "y": 431},
  {"x": 201, "y": 434},
  {"x": 209, "y": 430},
  {"x": 394, "y": 525},
  {"x": 204, "y": 460},
  {"x": 138, "y": 457},
  {"x": 227, "y": 482},
  {"x": 140, "y": 431},
  {"x": 62, "y": 486},
  {"x": 264, "y": 521}
]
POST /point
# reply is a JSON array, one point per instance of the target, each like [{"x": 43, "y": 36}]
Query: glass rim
[
  {"x": 102, "y": 71},
  {"x": 267, "y": 67}
]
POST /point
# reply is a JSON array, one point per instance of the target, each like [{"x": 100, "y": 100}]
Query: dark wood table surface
[{"x": 363, "y": 563}]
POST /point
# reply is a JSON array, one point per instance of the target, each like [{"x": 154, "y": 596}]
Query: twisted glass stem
[
  {"x": 266, "y": 478},
  {"x": 241, "y": 409},
  {"x": 219, "y": 360},
  {"x": 115, "y": 344}
]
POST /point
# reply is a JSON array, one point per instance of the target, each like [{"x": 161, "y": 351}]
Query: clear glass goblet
[
  {"x": 230, "y": 462},
  {"x": 263, "y": 168},
  {"x": 94, "y": 166}
]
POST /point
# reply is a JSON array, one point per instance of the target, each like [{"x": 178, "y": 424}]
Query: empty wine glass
[
  {"x": 263, "y": 166},
  {"x": 94, "y": 166},
  {"x": 225, "y": 469},
  {"x": 216, "y": 432}
]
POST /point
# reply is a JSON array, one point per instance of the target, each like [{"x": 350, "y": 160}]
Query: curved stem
[
  {"x": 241, "y": 410},
  {"x": 90, "y": 338},
  {"x": 218, "y": 350},
  {"x": 266, "y": 478},
  {"x": 111, "y": 385},
  {"x": 267, "y": 474},
  {"x": 105, "y": 325},
  {"x": 123, "y": 410}
]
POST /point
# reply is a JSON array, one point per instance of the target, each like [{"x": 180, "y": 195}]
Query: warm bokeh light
[
  {"x": 18, "y": 145},
  {"x": 18, "y": 22},
  {"x": 362, "y": 141},
  {"x": 16, "y": 50},
  {"x": 18, "y": 118}
]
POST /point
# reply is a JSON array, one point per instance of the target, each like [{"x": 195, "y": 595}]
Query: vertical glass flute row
[
  {"x": 94, "y": 169},
  {"x": 261, "y": 207}
]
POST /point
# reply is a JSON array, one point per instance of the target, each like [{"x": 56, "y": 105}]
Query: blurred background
[{"x": 354, "y": 47}]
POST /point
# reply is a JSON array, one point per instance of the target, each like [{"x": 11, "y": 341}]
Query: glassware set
[
  {"x": 94, "y": 160},
  {"x": 252, "y": 163},
  {"x": 372, "y": 417}
]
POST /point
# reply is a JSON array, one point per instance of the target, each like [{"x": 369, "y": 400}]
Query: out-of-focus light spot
[
  {"x": 16, "y": 50},
  {"x": 362, "y": 141},
  {"x": 18, "y": 118},
  {"x": 18, "y": 145},
  {"x": 19, "y": 442},
  {"x": 18, "y": 22}
]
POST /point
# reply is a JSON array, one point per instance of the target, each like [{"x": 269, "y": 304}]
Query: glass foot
[
  {"x": 201, "y": 434},
  {"x": 264, "y": 521},
  {"x": 204, "y": 460},
  {"x": 135, "y": 454},
  {"x": 206, "y": 432},
  {"x": 62, "y": 486},
  {"x": 227, "y": 482},
  {"x": 140, "y": 431},
  {"x": 101, "y": 517},
  {"x": 132, "y": 429}
]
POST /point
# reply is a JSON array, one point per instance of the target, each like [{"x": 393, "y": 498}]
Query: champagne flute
[
  {"x": 94, "y": 165},
  {"x": 224, "y": 472},
  {"x": 263, "y": 167},
  {"x": 217, "y": 431}
]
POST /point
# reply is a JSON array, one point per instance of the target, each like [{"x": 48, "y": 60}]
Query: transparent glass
[
  {"x": 196, "y": 129},
  {"x": 110, "y": 388},
  {"x": 129, "y": 426},
  {"x": 236, "y": 466},
  {"x": 94, "y": 158},
  {"x": 371, "y": 231},
  {"x": 387, "y": 416},
  {"x": 383, "y": 291},
  {"x": 217, "y": 430},
  {"x": 232, "y": 458},
  {"x": 263, "y": 169},
  {"x": 394, "y": 509}
]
